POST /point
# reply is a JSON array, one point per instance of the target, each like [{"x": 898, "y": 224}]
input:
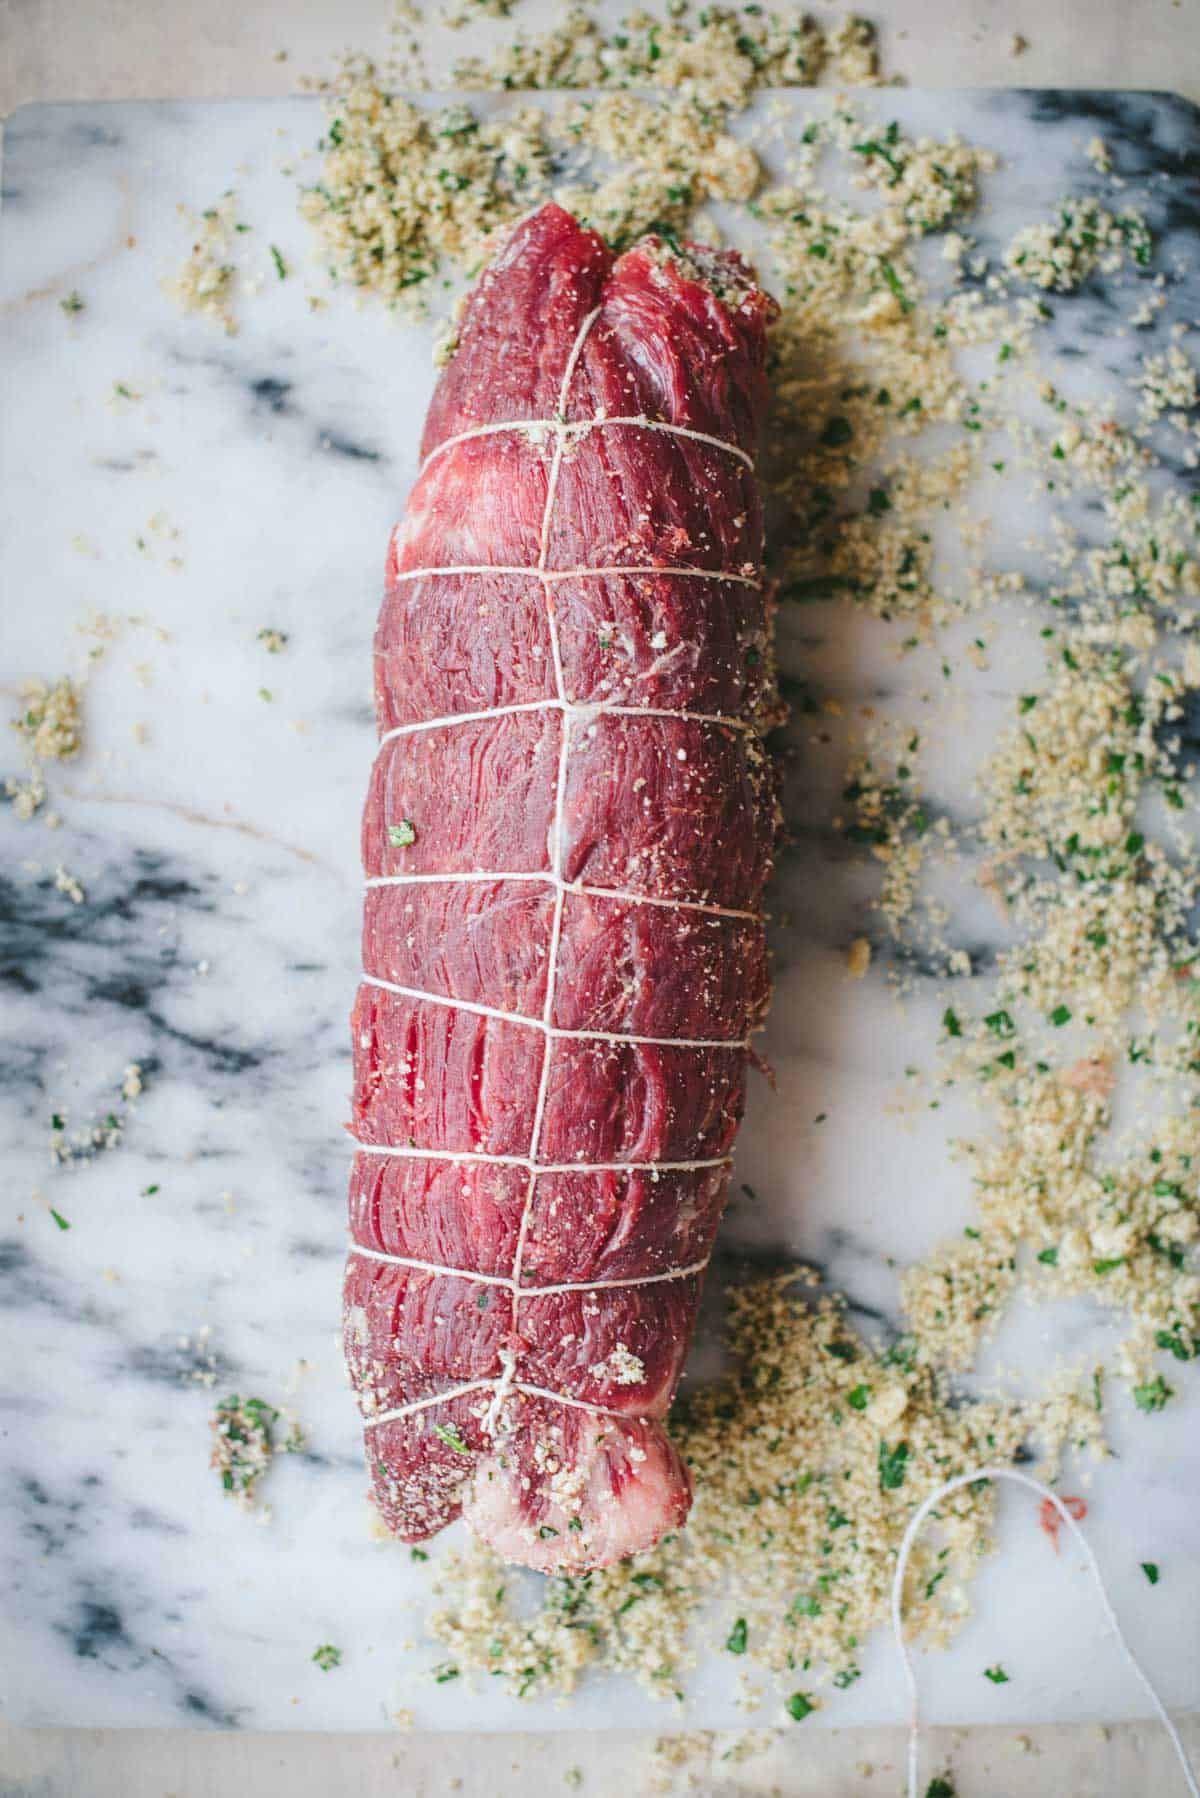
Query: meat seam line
[
  {"x": 598, "y": 709},
  {"x": 562, "y": 432},
  {"x": 452, "y": 1392},
  {"x": 570, "y": 886},
  {"x": 547, "y": 575},
  {"x": 534, "y": 427},
  {"x": 552, "y": 1030},
  {"x": 528, "y": 1292},
  {"x": 653, "y": 1168}
]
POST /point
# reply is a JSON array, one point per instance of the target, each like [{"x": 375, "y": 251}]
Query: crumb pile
[
  {"x": 244, "y": 1445},
  {"x": 50, "y": 728},
  {"x": 808, "y": 1463}
]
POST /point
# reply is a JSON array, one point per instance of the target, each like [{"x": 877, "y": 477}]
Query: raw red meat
[{"x": 563, "y": 964}]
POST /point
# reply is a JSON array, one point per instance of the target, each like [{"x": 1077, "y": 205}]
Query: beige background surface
[{"x": 122, "y": 49}]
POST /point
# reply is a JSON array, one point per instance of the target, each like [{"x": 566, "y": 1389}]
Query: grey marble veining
[{"x": 216, "y": 947}]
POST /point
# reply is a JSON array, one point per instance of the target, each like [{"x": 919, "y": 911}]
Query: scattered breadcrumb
[
  {"x": 66, "y": 882},
  {"x": 51, "y": 730},
  {"x": 1059, "y": 255},
  {"x": 244, "y": 1446},
  {"x": 205, "y": 284},
  {"x": 808, "y": 1463},
  {"x": 401, "y": 190},
  {"x": 50, "y": 723}
]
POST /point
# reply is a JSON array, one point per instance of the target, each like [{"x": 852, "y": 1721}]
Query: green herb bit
[
  {"x": 939, "y": 1788},
  {"x": 897, "y": 286},
  {"x": 735, "y": 1642},
  {"x": 327, "y": 1657},
  {"x": 243, "y": 1443},
  {"x": 402, "y": 834},
  {"x": 417, "y": 1554},
  {"x": 800, "y": 1706},
  {"x": 72, "y": 304},
  {"x": 859, "y": 1399},
  {"x": 873, "y": 148},
  {"x": 996, "y": 1674},
  {"x": 1153, "y": 1395},
  {"x": 1174, "y": 1343},
  {"x": 1150, "y": 1569},
  {"x": 280, "y": 265},
  {"x": 1049, "y": 1257},
  {"x": 59, "y": 1219},
  {"x": 447, "y": 1433},
  {"x": 892, "y": 1466}
]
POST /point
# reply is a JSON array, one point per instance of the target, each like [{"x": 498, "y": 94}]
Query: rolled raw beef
[{"x": 566, "y": 838}]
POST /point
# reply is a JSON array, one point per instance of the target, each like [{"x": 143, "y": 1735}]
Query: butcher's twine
[{"x": 916, "y": 1523}]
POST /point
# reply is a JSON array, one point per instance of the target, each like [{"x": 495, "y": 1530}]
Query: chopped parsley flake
[
  {"x": 1153, "y": 1394},
  {"x": 893, "y": 1464}
]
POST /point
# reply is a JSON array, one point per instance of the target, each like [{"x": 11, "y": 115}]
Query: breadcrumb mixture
[
  {"x": 244, "y": 1445},
  {"x": 716, "y": 55},
  {"x": 50, "y": 728},
  {"x": 808, "y": 1463},
  {"x": 205, "y": 284},
  {"x": 403, "y": 192}
]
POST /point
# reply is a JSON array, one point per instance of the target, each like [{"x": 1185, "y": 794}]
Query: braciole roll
[{"x": 567, "y": 834}]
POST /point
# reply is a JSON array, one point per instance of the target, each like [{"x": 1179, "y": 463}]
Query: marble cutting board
[{"x": 216, "y": 947}]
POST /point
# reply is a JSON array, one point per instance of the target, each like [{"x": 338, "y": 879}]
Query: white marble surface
[
  {"x": 168, "y": 49},
  {"x": 216, "y": 948}
]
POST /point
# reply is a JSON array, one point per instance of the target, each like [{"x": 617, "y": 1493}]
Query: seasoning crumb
[
  {"x": 244, "y": 1445},
  {"x": 66, "y": 882},
  {"x": 206, "y": 282},
  {"x": 858, "y": 958}
]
